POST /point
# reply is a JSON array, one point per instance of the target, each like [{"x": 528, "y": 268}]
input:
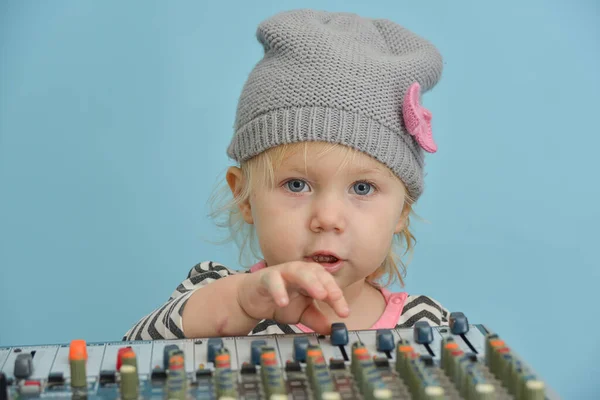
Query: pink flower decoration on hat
[{"x": 418, "y": 119}]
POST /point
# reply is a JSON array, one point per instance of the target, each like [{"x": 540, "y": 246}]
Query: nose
[{"x": 328, "y": 214}]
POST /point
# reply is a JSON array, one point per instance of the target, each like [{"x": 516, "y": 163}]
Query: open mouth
[
  {"x": 330, "y": 261},
  {"x": 325, "y": 259}
]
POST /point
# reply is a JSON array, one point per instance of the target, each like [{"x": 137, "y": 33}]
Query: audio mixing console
[{"x": 460, "y": 361}]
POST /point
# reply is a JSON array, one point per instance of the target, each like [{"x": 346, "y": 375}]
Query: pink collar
[{"x": 390, "y": 316}]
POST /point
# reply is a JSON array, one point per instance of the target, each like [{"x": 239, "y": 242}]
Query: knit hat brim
[{"x": 326, "y": 124}]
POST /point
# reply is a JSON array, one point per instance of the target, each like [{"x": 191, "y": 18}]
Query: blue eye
[
  {"x": 296, "y": 185},
  {"x": 362, "y": 188}
]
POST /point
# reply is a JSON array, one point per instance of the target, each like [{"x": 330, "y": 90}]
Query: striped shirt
[{"x": 402, "y": 310}]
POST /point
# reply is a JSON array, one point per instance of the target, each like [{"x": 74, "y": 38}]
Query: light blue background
[{"x": 115, "y": 116}]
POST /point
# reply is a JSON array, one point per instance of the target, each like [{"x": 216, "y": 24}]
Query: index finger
[{"x": 335, "y": 296}]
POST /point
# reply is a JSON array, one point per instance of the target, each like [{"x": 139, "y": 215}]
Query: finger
[
  {"x": 313, "y": 318},
  {"x": 275, "y": 285},
  {"x": 335, "y": 296},
  {"x": 306, "y": 280}
]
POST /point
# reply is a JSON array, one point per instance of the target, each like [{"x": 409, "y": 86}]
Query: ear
[
  {"x": 403, "y": 218},
  {"x": 235, "y": 180}
]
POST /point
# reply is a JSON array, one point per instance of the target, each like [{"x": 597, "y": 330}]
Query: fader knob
[
  {"x": 214, "y": 344},
  {"x": 534, "y": 390},
  {"x": 129, "y": 358},
  {"x": 382, "y": 394},
  {"x": 459, "y": 324},
  {"x": 77, "y": 363},
  {"x": 434, "y": 392},
  {"x": 423, "y": 334},
  {"x": 255, "y": 350},
  {"x": 300, "y": 345},
  {"x": 176, "y": 379},
  {"x": 129, "y": 383},
  {"x": 120, "y": 353},
  {"x": 223, "y": 359},
  {"x": 384, "y": 340},
  {"x": 483, "y": 390},
  {"x": 23, "y": 366},
  {"x": 339, "y": 334}
]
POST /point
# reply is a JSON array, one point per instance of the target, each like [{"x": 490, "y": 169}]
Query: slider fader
[{"x": 459, "y": 361}]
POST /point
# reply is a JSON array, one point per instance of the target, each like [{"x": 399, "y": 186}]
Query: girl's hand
[{"x": 286, "y": 293}]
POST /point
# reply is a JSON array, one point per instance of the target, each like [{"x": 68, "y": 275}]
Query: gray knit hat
[{"x": 340, "y": 78}]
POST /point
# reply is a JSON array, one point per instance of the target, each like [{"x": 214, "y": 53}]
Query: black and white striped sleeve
[
  {"x": 166, "y": 321},
  {"x": 422, "y": 308}
]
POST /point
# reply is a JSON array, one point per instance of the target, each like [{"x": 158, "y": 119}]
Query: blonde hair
[{"x": 260, "y": 170}]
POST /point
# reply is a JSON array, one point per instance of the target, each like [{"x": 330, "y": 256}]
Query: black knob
[
  {"x": 168, "y": 351},
  {"x": 339, "y": 334},
  {"x": 256, "y": 349},
  {"x": 300, "y": 346},
  {"x": 23, "y": 366},
  {"x": 3, "y": 387},
  {"x": 214, "y": 344},
  {"x": 384, "y": 340},
  {"x": 423, "y": 334},
  {"x": 459, "y": 324}
]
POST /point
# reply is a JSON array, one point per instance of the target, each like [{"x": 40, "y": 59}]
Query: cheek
[
  {"x": 381, "y": 217},
  {"x": 271, "y": 216},
  {"x": 376, "y": 228},
  {"x": 276, "y": 229},
  {"x": 277, "y": 247}
]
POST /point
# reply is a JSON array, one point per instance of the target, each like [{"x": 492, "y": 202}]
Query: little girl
[{"x": 329, "y": 137}]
